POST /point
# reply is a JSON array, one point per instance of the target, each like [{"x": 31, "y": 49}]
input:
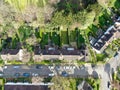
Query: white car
[
  {"x": 51, "y": 67},
  {"x": 35, "y": 74},
  {"x": 5, "y": 67},
  {"x": 16, "y": 66},
  {"x": 51, "y": 74}
]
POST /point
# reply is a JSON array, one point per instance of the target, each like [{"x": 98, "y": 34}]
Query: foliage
[
  {"x": 101, "y": 57},
  {"x": 95, "y": 83},
  {"x": 55, "y": 38},
  {"x": 20, "y": 79},
  {"x": 14, "y": 62},
  {"x": 73, "y": 6},
  {"x": 64, "y": 37},
  {"x": 63, "y": 83},
  {"x": 45, "y": 38},
  {"x": 25, "y": 32}
]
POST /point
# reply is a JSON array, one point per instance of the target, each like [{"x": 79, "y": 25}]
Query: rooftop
[
  {"x": 103, "y": 41},
  {"x": 84, "y": 86},
  {"x": 25, "y": 87}
]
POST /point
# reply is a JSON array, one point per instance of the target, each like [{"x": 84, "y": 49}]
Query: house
[
  {"x": 102, "y": 42},
  {"x": 11, "y": 54},
  {"x": 84, "y": 86},
  {"x": 25, "y": 87},
  {"x": 56, "y": 53}
]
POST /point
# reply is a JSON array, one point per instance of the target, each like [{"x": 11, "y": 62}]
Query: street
[{"x": 104, "y": 72}]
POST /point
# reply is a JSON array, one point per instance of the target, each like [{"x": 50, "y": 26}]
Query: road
[
  {"x": 104, "y": 71},
  {"x": 10, "y": 71}
]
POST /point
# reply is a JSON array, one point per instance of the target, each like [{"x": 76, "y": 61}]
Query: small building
[{"x": 84, "y": 86}]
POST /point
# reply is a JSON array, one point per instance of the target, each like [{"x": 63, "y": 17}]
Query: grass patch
[
  {"x": 64, "y": 37},
  {"x": 101, "y": 57},
  {"x": 48, "y": 62},
  {"x": 14, "y": 62},
  {"x": 45, "y": 37},
  {"x": 73, "y": 36}
]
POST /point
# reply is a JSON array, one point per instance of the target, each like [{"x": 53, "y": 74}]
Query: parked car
[
  {"x": 16, "y": 66},
  {"x": 39, "y": 66},
  {"x": 26, "y": 74},
  {"x": 17, "y": 74},
  {"x": 5, "y": 67},
  {"x": 51, "y": 67},
  {"x": 57, "y": 67},
  {"x": 64, "y": 73},
  {"x": 51, "y": 74},
  {"x": 35, "y": 74},
  {"x": 108, "y": 84}
]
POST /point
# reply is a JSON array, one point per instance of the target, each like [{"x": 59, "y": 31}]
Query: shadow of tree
[{"x": 107, "y": 68}]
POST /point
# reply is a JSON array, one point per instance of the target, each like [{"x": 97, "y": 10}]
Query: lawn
[
  {"x": 1, "y": 84},
  {"x": 14, "y": 62},
  {"x": 101, "y": 57},
  {"x": 80, "y": 40},
  {"x": 64, "y": 37},
  {"x": 55, "y": 38},
  {"x": 45, "y": 37},
  {"x": 73, "y": 36},
  {"x": 48, "y": 62}
]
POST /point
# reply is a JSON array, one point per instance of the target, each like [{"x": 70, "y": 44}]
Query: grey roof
[
  {"x": 84, "y": 86},
  {"x": 49, "y": 50},
  {"x": 25, "y": 87},
  {"x": 99, "y": 44},
  {"x": 10, "y": 51}
]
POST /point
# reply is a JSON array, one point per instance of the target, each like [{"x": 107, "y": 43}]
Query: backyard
[
  {"x": 45, "y": 39},
  {"x": 55, "y": 38},
  {"x": 64, "y": 38}
]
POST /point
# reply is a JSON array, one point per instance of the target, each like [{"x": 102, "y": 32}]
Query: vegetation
[
  {"x": 20, "y": 79},
  {"x": 95, "y": 83},
  {"x": 26, "y": 23},
  {"x": 61, "y": 83}
]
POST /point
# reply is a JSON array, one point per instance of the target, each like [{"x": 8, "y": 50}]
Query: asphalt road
[
  {"x": 103, "y": 71},
  {"x": 11, "y": 70}
]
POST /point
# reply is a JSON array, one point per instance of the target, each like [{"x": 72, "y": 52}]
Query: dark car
[
  {"x": 64, "y": 73},
  {"x": 39, "y": 66},
  {"x": 108, "y": 84},
  {"x": 26, "y": 74}
]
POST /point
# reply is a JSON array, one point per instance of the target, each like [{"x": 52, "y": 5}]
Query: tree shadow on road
[{"x": 107, "y": 69}]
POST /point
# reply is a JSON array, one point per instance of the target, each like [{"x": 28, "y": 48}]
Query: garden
[
  {"x": 55, "y": 38},
  {"x": 45, "y": 39},
  {"x": 64, "y": 38}
]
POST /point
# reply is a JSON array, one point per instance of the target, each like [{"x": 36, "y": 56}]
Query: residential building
[
  {"x": 104, "y": 40},
  {"x": 84, "y": 86}
]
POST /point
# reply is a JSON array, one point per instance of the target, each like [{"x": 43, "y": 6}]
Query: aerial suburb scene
[{"x": 59, "y": 44}]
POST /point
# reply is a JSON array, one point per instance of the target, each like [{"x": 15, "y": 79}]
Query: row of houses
[
  {"x": 112, "y": 33},
  {"x": 28, "y": 86},
  {"x": 49, "y": 53}
]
